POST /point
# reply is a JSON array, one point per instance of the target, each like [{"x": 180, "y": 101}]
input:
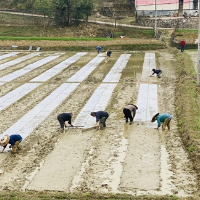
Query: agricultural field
[
  {"x": 122, "y": 161},
  {"x": 126, "y": 159}
]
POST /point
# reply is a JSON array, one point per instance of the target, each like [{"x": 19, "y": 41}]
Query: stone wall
[{"x": 189, "y": 23}]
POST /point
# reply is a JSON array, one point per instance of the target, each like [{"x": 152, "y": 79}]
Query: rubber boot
[
  {"x": 103, "y": 121},
  {"x": 101, "y": 126},
  {"x": 168, "y": 126},
  {"x": 14, "y": 148},
  {"x": 166, "y": 122},
  {"x": 19, "y": 148},
  {"x": 163, "y": 127}
]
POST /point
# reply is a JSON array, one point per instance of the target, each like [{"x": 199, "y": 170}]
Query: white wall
[{"x": 159, "y": 7}]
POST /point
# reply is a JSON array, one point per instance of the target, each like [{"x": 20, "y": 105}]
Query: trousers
[
  {"x": 103, "y": 121},
  {"x": 61, "y": 121},
  {"x": 127, "y": 114}
]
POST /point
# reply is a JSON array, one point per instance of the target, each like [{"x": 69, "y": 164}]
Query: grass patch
[
  {"x": 188, "y": 107},
  {"x": 183, "y": 31},
  {"x": 187, "y": 93},
  {"x": 190, "y": 37},
  {"x": 82, "y": 196},
  {"x": 20, "y": 26},
  {"x": 191, "y": 149},
  {"x": 117, "y": 34},
  {"x": 54, "y": 38}
]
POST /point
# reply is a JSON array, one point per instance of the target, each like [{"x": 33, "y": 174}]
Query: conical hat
[
  {"x": 4, "y": 141},
  {"x": 153, "y": 118},
  {"x": 133, "y": 105}
]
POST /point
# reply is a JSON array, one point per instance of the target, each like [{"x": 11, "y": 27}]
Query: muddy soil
[
  {"x": 44, "y": 44},
  {"x": 194, "y": 57},
  {"x": 123, "y": 158}
]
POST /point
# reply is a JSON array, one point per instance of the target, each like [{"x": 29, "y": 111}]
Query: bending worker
[
  {"x": 101, "y": 117},
  {"x": 108, "y": 54},
  {"x": 99, "y": 48},
  {"x": 130, "y": 108},
  {"x": 62, "y": 118},
  {"x": 13, "y": 140},
  {"x": 158, "y": 72},
  {"x": 162, "y": 118}
]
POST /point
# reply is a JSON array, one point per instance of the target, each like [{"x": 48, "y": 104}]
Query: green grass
[
  {"x": 7, "y": 195},
  {"x": 188, "y": 96},
  {"x": 148, "y": 32},
  {"x": 190, "y": 36},
  {"x": 186, "y": 31},
  {"x": 118, "y": 34},
  {"x": 191, "y": 149},
  {"x": 54, "y": 38}
]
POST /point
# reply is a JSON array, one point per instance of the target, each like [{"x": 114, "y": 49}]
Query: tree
[
  {"x": 23, "y": 4},
  {"x": 43, "y": 6},
  {"x": 60, "y": 7},
  {"x": 82, "y": 9}
]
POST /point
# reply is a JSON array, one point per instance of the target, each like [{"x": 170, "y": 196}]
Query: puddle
[
  {"x": 112, "y": 176},
  {"x": 125, "y": 133},
  {"x": 165, "y": 174},
  {"x": 31, "y": 176},
  {"x": 77, "y": 179}
]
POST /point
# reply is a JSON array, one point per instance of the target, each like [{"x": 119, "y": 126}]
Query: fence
[{"x": 167, "y": 13}]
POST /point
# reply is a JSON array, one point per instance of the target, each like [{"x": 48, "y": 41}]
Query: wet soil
[{"x": 123, "y": 158}]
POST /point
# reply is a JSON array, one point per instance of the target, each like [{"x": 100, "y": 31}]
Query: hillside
[{"x": 5, "y": 4}]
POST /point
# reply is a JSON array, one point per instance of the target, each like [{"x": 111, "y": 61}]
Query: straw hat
[
  {"x": 153, "y": 118},
  {"x": 4, "y": 141}
]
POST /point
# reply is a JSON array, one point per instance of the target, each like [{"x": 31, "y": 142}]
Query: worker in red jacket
[{"x": 182, "y": 45}]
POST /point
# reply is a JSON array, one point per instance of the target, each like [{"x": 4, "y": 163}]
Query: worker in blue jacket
[
  {"x": 13, "y": 140},
  {"x": 99, "y": 48},
  {"x": 162, "y": 118},
  {"x": 158, "y": 72},
  {"x": 101, "y": 117}
]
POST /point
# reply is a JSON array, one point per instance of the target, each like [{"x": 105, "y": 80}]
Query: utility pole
[
  {"x": 155, "y": 18},
  {"x": 198, "y": 61}
]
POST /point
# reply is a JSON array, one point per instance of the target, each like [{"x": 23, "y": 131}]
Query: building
[{"x": 144, "y": 5}]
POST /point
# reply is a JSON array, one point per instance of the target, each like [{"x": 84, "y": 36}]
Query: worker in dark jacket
[
  {"x": 108, "y": 54},
  {"x": 101, "y": 116},
  {"x": 162, "y": 118},
  {"x": 158, "y": 72},
  {"x": 62, "y": 118},
  {"x": 128, "y": 110},
  {"x": 13, "y": 140}
]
